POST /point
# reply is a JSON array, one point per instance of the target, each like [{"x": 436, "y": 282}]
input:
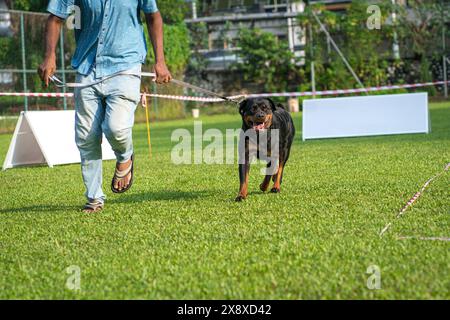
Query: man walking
[{"x": 110, "y": 51}]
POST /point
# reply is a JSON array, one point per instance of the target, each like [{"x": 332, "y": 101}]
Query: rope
[{"x": 415, "y": 197}]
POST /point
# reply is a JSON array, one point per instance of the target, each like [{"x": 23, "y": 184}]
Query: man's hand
[
  {"x": 52, "y": 30},
  {"x": 47, "y": 69},
  {"x": 155, "y": 30},
  {"x": 162, "y": 73}
]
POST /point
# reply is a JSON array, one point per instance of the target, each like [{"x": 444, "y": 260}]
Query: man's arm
[
  {"x": 52, "y": 31},
  {"x": 155, "y": 31}
]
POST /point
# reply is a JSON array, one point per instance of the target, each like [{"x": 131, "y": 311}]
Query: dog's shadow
[{"x": 148, "y": 196}]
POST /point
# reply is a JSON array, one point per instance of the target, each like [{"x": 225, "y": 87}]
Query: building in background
[{"x": 224, "y": 19}]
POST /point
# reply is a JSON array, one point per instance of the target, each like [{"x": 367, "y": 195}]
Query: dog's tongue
[{"x": 258, "y": 126}]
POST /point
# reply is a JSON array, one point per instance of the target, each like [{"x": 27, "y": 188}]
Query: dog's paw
[
  {"x": 275, "y": 190},
  {"x": 239, "y": 198},
  {"x": 263, "y": 187}
]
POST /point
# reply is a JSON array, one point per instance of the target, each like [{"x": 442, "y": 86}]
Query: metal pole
[
  {"x": 444, "y": 48},
  {"x": 313, "y": 71},
  {"x": 63, "y": 64},
  {"x": 24, "y": 62},
  {"x": 349, "y": 67},
  {"x": 395, "y": 46},
  {"x": 445, "y": 77},
  {"x": 313, "y": 79},
  {"x": 444, "y": 44},
  {"x": 194, "y": 9}
]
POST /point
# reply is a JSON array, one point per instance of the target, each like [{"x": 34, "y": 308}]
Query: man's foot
[
  {"x": 93, "y": 206},
  {"x": 119, "y": 183},
  {"x": 123, "y": 176}
]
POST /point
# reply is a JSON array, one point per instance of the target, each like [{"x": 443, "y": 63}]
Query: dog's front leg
[
  {"x": 244, "y": 170},
  {"x": 277, "y": 178},
  {"x": 265, "y": 184}
]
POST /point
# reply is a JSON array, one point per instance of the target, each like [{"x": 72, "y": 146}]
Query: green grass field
[{"x": 178, "y": 234}]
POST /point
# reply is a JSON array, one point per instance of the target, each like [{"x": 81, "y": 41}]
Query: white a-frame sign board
[{"x": 46, "y": 137}]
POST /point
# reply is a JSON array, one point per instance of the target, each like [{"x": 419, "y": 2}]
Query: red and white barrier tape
[
  {"x": 415, "y": 197},
  {"x": 263, "y": 95},
  {"x": 37, "y": 94}
]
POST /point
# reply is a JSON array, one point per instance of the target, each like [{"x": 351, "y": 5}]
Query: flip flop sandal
[
  {"x": 121, "y": 175},
  {"x": 93, "y": 207}
]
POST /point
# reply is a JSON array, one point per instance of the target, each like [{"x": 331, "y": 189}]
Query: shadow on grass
[
  {"x": 162, "y": 195},
  {"x": 40, "y": 208}
]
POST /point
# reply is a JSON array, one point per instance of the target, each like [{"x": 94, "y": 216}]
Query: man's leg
[
  {"x": 123, "y": 95},
  {"x": 88, "y": 134}
]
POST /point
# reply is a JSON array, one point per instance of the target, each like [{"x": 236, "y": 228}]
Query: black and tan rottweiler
[{"x": 263, "y": 116}]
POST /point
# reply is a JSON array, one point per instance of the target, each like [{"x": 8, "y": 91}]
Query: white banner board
[
  {"x": 365, "y": 116},
  {"x": 46, "y": 137}
]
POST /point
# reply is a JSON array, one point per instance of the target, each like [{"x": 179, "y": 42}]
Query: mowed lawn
[{"x": 178, "y": 234}]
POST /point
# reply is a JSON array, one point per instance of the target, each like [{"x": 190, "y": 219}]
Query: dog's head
[{"x": 257, "y": 113}]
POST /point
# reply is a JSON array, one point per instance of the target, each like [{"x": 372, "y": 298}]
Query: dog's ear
[
  {"x": 242, "y": 106},
  {"x": 272, "y": 104}
]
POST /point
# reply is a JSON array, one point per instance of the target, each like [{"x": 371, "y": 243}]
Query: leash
[
  {"x": 415, "y": 197},
  {"x": 60, "y": 84}
]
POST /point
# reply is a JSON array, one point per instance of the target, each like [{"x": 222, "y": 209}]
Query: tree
[
  {"x": 360, "y": 45},
  {"x": 369, "y": 52},
  {"x": 176, "y": 47},
  {"x": 420, "y": 29},
  {"x": 173, "y": 11},
  {"x": 267, "y": 61}
]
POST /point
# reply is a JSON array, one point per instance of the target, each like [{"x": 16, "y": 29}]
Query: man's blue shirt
[{"x": 111, "y": 36}]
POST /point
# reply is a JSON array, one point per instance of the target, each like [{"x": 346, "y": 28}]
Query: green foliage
[
  {"x": 196, "y": 71},
  {"x": 173, "y": 11},
  {"x": 267, "y": 61},
  {"x": 349, "y": 30},
  {"x": 420, "y": 27},
  {"x": 369, "y": 52},
  {"x": 176, "y": 47},
  {"x": 30, "y": 5},
  {"x": 5, "y": 51},
  {"x": 198, "y": 34},
  {"x": 420, "y": 30},
  {"x": 177, "y": 53}
]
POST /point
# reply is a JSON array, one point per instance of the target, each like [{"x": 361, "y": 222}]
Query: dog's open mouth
[{"x": 257, "y": 125}]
